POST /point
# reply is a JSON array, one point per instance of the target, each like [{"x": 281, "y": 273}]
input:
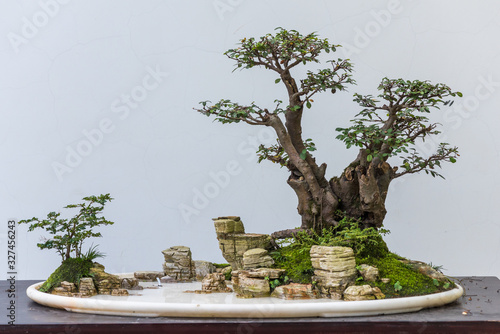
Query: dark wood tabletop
[{"x": 478, "y": 311}]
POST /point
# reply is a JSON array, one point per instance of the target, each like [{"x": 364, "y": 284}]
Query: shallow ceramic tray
[{"x": 170, "y": 300}]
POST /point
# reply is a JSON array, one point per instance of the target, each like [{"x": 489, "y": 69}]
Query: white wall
[{"x": 67, "y": 68}]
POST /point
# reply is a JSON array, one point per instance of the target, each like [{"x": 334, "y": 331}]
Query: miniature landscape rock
[
  {"x": 215, "y": 282},
  {"x": 202, "y": 269},
  {"x": 426, "y": 270},
  {"x": 234, "y": 242},
  {"x": 87, "y": 287},
  {"x": 178, "y": 263},
  {"x": 254, "y": 283},
  {"x": 294, "y": 291},
  {"x": 369, "y": 273},
  {"x": 106, "y": 284},
  {"x": 131, "y": 284},
  {"x": 66, "y": 289},
  {"x": 257, "y": 258},
  {"x": 334, "y": 269},
  {"x": 148, "y": 276},
  {"x": 362, "y": 292}
]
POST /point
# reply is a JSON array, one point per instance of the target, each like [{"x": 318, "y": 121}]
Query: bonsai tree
[
  {"x": 69, "y": 234},
  {"x": 385, "y": 131}
]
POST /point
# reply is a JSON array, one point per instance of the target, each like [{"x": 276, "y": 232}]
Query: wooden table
[{"x": 478, "y": 311}]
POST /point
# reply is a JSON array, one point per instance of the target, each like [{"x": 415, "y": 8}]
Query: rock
[
  {"x": 66, "y": 289},
  {"x": 257, "y": 258},
  {"x": 214, "y": 282},
  {"x": 426, "y": 270},
  {"x": 335, "y": 269},
  {"x": 369, "y": 273},
  {"x": 119, "y": 292},
  {"x": 131, "y": 284},
  {"x": 263, "y": 273},
  {"x": 178, "y": 263},
  {"x": 167, "y": 279},
  {"x": 148, "y": 276},
  {"x": 228, "y": 225},
  {"x": 385, "y": 280},
  {"x": 295, "y": 291},
  {"x": 202, "y": 269},
  {"x": 248, "y": 287},
  {"x": 362, "y": 292},
  {"x": 226, "y": 270},
  {"x": 234, "y": 242},
  {"x": 86, "y": 287},
  {"x": 103, "y": 281}
]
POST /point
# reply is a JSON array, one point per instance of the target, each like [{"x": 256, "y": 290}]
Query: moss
[
  {"x": 413, "y": 283},
  {"x": 221, "y": 265},
  {"x": 71, "y": 270},
  {"x": 296, "y": 261}
]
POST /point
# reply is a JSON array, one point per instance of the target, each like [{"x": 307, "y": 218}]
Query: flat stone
[
  {"x": 119, "y": 292},
  {"x": 262, "y": 273},
  {"x": 294, "y": 291},
  {"x": 149, "y": 276},
  {"x": 362, "y": 292}
]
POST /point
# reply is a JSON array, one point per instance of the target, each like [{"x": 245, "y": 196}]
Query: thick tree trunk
[{"x": 360, "y": 192}]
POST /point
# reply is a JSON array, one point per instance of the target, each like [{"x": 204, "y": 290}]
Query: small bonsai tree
[
  {"x": 385, "y": 128},
  {"x": 69, "y": 234}
]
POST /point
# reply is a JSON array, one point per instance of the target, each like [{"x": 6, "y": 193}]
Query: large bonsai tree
[{"x": 385, "y": 129}]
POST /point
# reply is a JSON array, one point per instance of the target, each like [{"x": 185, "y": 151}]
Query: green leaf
[
  {"x": 460, "y": 94},
  {"x": 397, "y": 286},
  {"x": 308, "y": 104},
  {"x": 453, "y": 160},
  {"x": 277, "y": 80},
  {"x": 303, "y": 154},
  {"x": 369, "y": 158}
]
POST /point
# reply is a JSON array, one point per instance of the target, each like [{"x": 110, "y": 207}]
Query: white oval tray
[{"x": 170, "y": 301}]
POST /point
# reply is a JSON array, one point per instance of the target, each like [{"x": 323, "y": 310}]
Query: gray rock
[
  {"x": 203, "y": 268},
  {"x": 131, "y": 284},
  {"x": 148, "y": 276}
]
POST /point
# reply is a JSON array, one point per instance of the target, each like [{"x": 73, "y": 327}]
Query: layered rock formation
[
  {"x": 254, "y": 283},
  {"x": 294, "y": 291},
  {"x": 178, "y": 263},
  {"x": 106, "y": 284},
  {"x": 234, "y": 242},
  {"x": 215, "y": 282},
  {"x": 362, "y": 292},
  {"x": 334, "y": 269},
  {"x": 257, "y": 258}
]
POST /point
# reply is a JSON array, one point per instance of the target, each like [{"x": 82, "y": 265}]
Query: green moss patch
[
  {"x": 71, "y": 270},
  {"x": 411, "y": 283}
]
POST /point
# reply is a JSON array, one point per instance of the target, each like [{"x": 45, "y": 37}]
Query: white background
[{"x": 67, "y": 67}]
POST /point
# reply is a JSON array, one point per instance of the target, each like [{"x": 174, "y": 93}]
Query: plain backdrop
[{"x": 98, "y": 96}]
